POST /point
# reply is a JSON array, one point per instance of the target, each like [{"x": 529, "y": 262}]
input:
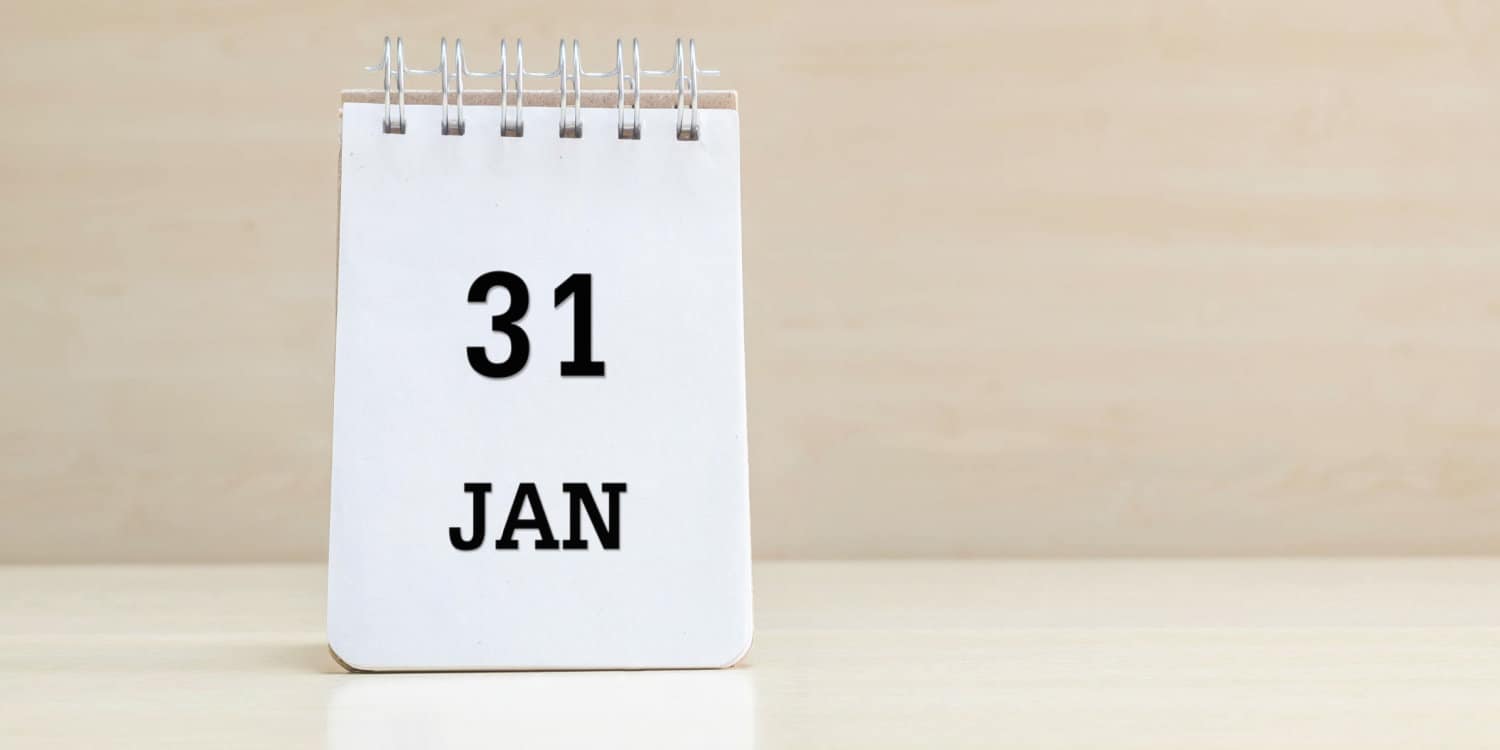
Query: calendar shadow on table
[
  {"x": 308, "y": 657},
  {"x": 658, "y": 709}
]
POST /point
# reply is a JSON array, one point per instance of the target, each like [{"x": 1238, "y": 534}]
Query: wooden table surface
[{"x": 1187, "y": 653}]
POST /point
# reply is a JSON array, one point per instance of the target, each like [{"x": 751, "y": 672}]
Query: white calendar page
[{"x": 629, "y": 255}]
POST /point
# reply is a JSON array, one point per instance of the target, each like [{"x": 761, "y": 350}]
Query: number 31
[{"x": 582, "y": 365}]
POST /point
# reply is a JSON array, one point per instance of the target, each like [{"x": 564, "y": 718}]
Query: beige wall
[{"x": 1163, "y": 277}]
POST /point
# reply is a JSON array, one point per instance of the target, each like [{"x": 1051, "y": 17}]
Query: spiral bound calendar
[{"x": 539, "y": 443}]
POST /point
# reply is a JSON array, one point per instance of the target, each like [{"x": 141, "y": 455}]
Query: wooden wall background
[{"x": 1085, "y": 278}]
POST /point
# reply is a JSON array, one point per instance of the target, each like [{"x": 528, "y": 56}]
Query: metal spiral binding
[{"x": 684, "y": 71}]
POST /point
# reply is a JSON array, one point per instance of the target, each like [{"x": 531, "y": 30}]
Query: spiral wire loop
[{"x": 684, "y": 72}]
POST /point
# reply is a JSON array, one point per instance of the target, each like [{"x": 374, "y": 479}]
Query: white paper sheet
[{"x": 656, "y": 224}]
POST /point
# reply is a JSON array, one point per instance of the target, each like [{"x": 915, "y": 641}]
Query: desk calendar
[{"x": 539, "y": 435}]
